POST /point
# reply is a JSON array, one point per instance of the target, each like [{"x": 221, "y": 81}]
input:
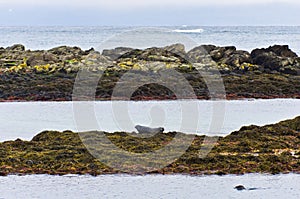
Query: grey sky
[
  {"x": 141, "y": 3},
  {"x": 149, "y": 12}
]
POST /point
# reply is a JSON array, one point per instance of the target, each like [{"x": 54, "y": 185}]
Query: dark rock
[
  {"x": 207, "y": 48},
  {"x": 282, "y": 50},
  {"x": 41, "y": 59},
  {"x": 268, "y": 60},
  {"x": 249, "y": 128},
  {"x": 220, "y": 52},
  {"x": 16, "y": 47},
  {"x": 240, "y": 187},
  {"x": 89, "y": 51},
  {"x": 291, "y": 70},
  {"x": 201, "y": 53},
  {"x": 153, "y": 55},
  {"x": 67, "y": 53},
  {"x": 215, "y": 53},
  {"x": 97, "y": 57},
  {"x": 276, "y": 58},
  {"x": 29, "y": 162},
  {"x": 114, "y": 54},
  {"x": 178, "y": 49},
  {"x": 279, "y": 50}
]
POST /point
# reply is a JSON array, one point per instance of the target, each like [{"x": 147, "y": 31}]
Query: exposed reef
[
  {"x": 272, "y": 72},
  {"x": 253, "y": 149}
]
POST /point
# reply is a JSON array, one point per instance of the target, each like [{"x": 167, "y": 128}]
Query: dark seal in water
[{"x": 240, "y": 187}]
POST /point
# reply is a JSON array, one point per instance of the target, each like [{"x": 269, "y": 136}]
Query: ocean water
[
  {"x": 243, "y": 37},
  {"x": 25, "y": 119},
  {"x": 151, "y": 186}
]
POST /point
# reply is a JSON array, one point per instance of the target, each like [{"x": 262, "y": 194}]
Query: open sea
[
  {"x": 26, "y": 119},
  {"x": 243, "y": 37}
]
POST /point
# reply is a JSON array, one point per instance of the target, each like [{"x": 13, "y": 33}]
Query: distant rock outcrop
[{"x": 272, "y": 72}]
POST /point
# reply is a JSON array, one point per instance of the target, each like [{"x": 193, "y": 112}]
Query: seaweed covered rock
[
  {"x": 178, "y": 49},
  {"x": 66, "y": 50},
  {"x": 152, "y": 59},
  {"x": 114, "y": 54},
  {"x": 41, "y": 58},
  {"x": 201, "y": 54},
  {"x": 16, "y": 47},
  {"x": 228, "y": 59},
  {"x": 46, "y": 74},
  {"x": 277, "y": 58},
  {"x": 253, "y": 149}
]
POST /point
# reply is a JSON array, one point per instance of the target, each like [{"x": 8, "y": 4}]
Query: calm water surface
[
  {"x": 26, "y": 119},
  {"x": 151, "y": 186}
]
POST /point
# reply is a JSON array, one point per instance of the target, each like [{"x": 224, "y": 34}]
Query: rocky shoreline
[
  {"x": 268, "y": 149},
  {"x": 49, "y": 75}
]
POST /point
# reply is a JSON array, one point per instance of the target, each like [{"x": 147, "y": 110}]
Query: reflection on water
[{"x": 150, "y": 186}]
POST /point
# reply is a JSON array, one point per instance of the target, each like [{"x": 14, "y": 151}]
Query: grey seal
[{"x": 148, "y": 130}]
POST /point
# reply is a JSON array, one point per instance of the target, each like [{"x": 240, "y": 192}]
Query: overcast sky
[{"x": 149, "y": 12}]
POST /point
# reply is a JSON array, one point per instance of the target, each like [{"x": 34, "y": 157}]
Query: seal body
[
  {"x": 240, "y": 187},
  {"x": 148, "y": 130}
]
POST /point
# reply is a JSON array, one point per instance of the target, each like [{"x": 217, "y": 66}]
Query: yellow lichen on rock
[
  {"x": 125, "y": 66},
  {"x": 136, "y": 67},
  {"x": 42, "y": 68},
  {"x": 18, "y": 68}
]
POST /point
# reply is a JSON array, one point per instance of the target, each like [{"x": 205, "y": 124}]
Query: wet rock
[
  {"x": 276, "y": 58},
  {"x": 236, "y": 59},
  {"x": 16, "y": 47},
  {"x": 97, "y": 57},
  {"x": 220, "y": 52},
  {"x": 178, "y": 49},
  {"x": 114, "y": 54},
  {"x": 41, "y": 58},
  {"x": 91, "y": 50},
  {"x": 282, "y": 51},
  {"x": 201, "y": 53},
  {"x": 66, "y": 50},
  {"x": 50, "y": 75},
  {"x": 291, "y": 70},
  {"x": 278, "y": 50}
]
